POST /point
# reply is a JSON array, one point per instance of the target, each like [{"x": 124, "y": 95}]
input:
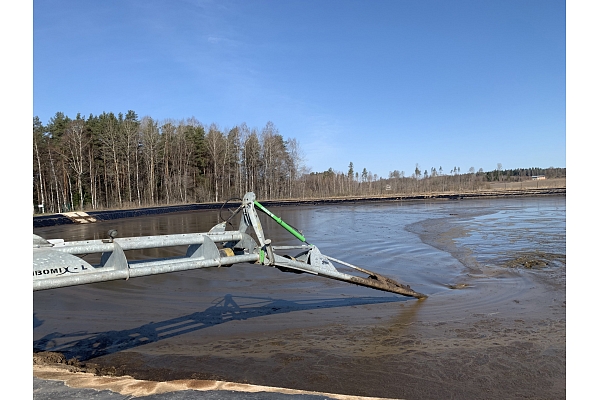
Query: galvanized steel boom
[{"x": 57, "y": 263}]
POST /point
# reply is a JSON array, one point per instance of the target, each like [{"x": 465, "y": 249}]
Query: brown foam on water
[{"x": 128, "y": 386}]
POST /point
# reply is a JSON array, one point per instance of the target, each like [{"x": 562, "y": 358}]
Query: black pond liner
[{"x": 59, "y": 219}]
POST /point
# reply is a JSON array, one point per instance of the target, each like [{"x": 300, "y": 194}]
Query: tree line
[
  {"x": 332, "y": 183},
  {"x": 115, "y": 161},
  {"x": 121, "y": 161}
]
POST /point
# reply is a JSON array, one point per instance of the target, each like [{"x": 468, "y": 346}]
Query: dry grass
[{"x": 557, "y": 183}]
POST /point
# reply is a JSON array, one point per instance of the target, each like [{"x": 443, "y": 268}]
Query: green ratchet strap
[{"x": 280, "y": 222}]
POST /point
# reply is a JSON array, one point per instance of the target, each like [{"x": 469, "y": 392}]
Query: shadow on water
[{"x": 96, "y": 344}]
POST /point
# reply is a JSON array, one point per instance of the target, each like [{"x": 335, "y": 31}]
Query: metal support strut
[{"x": 57, "y": 263}]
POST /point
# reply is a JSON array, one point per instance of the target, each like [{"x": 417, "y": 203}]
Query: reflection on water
[{"x": 538, "y": 227}]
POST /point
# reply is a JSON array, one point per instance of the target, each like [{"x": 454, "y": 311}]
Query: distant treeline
[
  {"x": 333, "y": 183},
  {"x": 117, "y": 161}
]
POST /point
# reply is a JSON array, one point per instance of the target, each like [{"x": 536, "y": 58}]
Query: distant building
[
  {"x": 388, "y": 187},
  {"x": 538, "y": 177}
]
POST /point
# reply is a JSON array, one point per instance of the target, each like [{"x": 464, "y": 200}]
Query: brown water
[{"x": 493, "y": 326}]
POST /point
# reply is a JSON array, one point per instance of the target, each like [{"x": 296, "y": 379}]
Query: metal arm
[{"x": 58, "y": 264}]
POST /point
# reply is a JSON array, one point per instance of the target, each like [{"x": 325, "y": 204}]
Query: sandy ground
[{"x": 78, "y": 378}]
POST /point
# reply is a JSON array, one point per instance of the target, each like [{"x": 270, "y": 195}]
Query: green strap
[{"x": 280, "y": 222}]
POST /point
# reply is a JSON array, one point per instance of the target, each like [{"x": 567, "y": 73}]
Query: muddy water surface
[{"x": 493, "y": 325}]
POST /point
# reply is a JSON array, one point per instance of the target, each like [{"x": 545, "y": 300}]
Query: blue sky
[{"x": 382, "y": 84}]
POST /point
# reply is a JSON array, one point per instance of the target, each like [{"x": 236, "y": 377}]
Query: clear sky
[{"x": 383, "y": 84}]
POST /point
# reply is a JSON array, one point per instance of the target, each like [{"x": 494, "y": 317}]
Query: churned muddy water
[{"x": 493, "y": 326}]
